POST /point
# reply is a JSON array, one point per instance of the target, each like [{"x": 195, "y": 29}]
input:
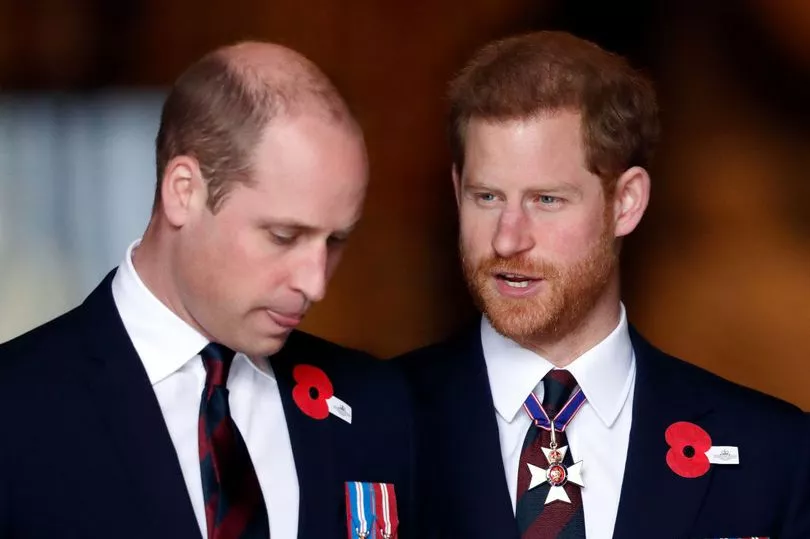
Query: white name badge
[
  {"x": 340, "y": 409},
  {"x": 723, "y": 454}
]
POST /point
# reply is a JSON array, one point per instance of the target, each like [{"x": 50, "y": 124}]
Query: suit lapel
[
  {"x": 320, "y": 494},
  {"x": 128, "y": 406},
  {"x": 474, "y": 474},
  {"x": 653, "y": 497}
]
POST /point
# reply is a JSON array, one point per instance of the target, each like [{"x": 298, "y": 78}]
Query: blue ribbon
[
  {"x": 562, "y": 419},
  {"x": 361, "y": 501}
]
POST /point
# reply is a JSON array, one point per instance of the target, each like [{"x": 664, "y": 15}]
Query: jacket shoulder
[
  {"x": 725, "y": 395},
  {"x": 41, "y": 345}
]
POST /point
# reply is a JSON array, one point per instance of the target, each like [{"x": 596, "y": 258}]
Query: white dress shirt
[
  {"x": 169, "y": 349},
  {"x": 598, "y": 435}
]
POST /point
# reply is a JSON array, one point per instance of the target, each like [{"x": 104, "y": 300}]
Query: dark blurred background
[{"x": 717, "y": 273}]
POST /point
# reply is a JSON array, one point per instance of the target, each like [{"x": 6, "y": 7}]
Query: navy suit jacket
[
  {"x": 767, "y": 494},
  {"x": 85, "y": 452}
]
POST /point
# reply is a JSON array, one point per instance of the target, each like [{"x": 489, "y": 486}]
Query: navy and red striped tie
[
  {"x": 234, "y": 505},
  {"x": 557, "y": 520}
]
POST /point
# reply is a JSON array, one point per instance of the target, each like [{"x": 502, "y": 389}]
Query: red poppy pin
[
  {"x": 691, "y": 451},
  {"x": 311, "y": 391},
  {"x": 314, "y": 395}
]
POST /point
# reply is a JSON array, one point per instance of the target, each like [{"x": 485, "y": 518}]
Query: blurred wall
[
  {"x": 717, "y": 272},
  {"x": 722, "y": 267}
]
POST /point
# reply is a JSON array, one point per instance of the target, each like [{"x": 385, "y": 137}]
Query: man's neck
[{"x": 153, "y": 269}]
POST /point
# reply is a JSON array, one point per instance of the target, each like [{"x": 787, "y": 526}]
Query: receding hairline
[
  {"x": 220, "y": 107},
  {"x": 296, "y": 84}
]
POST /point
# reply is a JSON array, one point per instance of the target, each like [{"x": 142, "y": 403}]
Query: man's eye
[
  {"x": 485, "y": 197},
  {"x": 282, "y": 239},
  {"x": 547, "y": 200}
]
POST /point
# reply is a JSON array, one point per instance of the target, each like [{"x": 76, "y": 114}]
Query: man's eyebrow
[
  {"x": 302, "y": 227},
  {"x": 286, "y": 223}
]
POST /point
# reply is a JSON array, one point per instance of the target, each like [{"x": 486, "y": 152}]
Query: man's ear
[
  {"x": 182, "y": 187},
  {"x": 630, "y": 199}
]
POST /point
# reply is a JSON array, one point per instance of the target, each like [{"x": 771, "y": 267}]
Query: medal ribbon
[
  {"x": 535, "y": 410},
  {"x": 386, "y": 505},
  {"x": 360, "y": 504}
]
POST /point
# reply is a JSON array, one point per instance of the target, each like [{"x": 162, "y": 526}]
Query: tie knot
[
  {"x": 557, "y": 386},
  {"x": 217, "y": 360}
]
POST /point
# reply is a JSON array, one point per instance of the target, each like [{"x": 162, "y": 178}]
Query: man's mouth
[
  {"x": 286, "y": 320},
  {"x": 515, "y": 280}
]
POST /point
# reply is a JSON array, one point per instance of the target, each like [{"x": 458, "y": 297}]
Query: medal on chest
[{"x": 557, "y": 475}]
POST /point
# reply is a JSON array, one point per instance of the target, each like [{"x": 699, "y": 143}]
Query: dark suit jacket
[
  {"x": 767, "y": 494},
  {"x": 84, "y": 450}
]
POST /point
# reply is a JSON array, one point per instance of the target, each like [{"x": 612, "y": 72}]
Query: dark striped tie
[
  {"x": 558, "y": 519},
  {"x": 234, "y": 505}
]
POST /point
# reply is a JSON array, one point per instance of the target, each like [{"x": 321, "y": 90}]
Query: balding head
[
  {"x": 221, "y": 105},
  {"x": 292, "y": 82}
]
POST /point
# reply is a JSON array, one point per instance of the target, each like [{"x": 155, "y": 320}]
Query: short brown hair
[
  {"x": 217, "y": 111},
  {"x": 523, "y": 76}
]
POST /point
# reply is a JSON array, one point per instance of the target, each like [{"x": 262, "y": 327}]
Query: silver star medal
[{"x": 557, "y": 474}]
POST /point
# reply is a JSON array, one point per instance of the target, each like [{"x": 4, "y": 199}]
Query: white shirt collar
[
  {"x": 164, "y": 341},
  {"x": 605, "y": 372}
]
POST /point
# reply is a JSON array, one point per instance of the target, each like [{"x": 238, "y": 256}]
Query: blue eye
[
  {"x": 485, "y": 197},
  {"x": 547, "y": 199}
]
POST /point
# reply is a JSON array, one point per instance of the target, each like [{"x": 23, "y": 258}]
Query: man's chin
[
  {"x": 267, "y": 345},
  {"x": 517, "y": 327}
]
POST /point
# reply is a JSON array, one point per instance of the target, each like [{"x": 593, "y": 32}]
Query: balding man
[{"x": 178, "y": 401}]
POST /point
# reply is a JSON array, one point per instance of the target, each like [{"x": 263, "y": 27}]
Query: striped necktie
[
  {"x": 557, "y": 519},
  {"x": 234, "y": 505}
]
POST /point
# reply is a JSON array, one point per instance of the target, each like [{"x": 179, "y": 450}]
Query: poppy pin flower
[
  {"x": 314, "y": 395},
  {"x": 312, "y": 391},
  {"x": 688, "y": 445}
]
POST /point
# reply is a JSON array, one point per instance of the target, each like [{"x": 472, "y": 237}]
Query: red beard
[{"x": 567, "y": 295}]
